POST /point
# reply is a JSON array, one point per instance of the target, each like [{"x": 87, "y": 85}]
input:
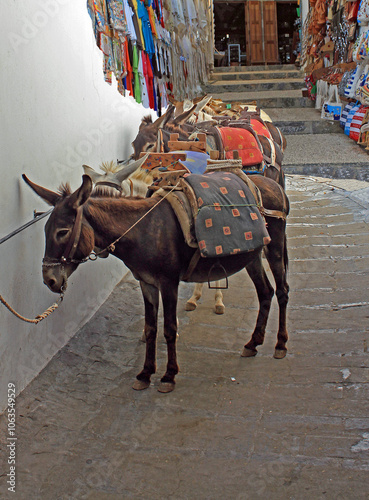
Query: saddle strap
[
  {"x": 279, "y": 214},
  {"x": 192, "y": 265},
  {"x": 273, "y": 159},
  {"x": 235, "y": 167},
  {"x": 183, "y": 208}
]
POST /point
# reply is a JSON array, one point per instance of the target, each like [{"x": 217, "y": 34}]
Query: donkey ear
[
  {"x": 95, "y": 176},
  {"x": 49, "y": 196},
  {"x": 127, "y": 170},
  {"x": 160, "y": 122},
  {"x": 201, "y": 103},
  {"x": 79, "y": 197},
  {"x": 184, "y": 116}
]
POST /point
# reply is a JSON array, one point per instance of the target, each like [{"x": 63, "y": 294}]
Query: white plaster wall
[{"x": 56, "y": 114}]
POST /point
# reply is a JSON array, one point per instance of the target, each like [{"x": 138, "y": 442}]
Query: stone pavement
[{"x": 234, "y": 428}]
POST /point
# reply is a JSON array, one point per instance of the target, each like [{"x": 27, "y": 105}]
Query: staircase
[
  {"x": 314, "y": 146},
  {"x": 275, "y": 89}
]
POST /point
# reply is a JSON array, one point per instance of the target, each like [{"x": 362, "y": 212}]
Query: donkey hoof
[
  {"x": 140, "y": 385},
  {"x": 190, "y": 306},
  {"x": 248, "y": 353},
  {"x": 219, "y": 309},
  {"x": 280, "y": 353},
  {"x": 166, "y": 387}
]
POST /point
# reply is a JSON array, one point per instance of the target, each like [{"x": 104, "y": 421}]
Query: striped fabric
[
  {"x": 356, "y": 123},
  {"x": 351, "y": 84},
  {"x": 350, "y": 116},
  {"x": 345, "y": 113}
]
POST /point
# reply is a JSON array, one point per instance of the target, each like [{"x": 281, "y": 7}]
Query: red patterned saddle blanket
[
  {"x": 243, "y": 141},
  {"x": 260, "y": 128}
]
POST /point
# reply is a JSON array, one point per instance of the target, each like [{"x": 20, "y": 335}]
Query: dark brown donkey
[{"x": 146, "y": 236}]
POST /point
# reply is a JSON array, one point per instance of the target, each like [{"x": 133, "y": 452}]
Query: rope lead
[{"x": 38, "y": 318}]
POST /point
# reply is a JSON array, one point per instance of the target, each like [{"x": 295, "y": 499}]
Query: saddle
[
  {"x": 240, "y": 137},
  {"x": 220, "y": 212}
]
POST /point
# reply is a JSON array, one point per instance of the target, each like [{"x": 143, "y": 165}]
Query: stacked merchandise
[
  {"x": 335, "y": 58},
  {"x": 154, "y": 48}
]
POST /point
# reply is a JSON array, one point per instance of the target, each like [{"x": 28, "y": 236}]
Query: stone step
[
  {"x": 293, "y": 121},
  {"x": 266, "y": 99},
  {"x": 257, "y": 75},
  {"x": 308, "y": 127},
  {"x": 226, "y": 86},
  {"x": 251, "y": 69},
  {"x": 332, "y": 170},
  {"x": 326, "y": 155}
]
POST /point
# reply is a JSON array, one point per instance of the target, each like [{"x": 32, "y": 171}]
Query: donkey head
[
  {"x": 69, "y": 239},
  {"x": 147, "y": 137},
  {"x": 113, "y": 182}
]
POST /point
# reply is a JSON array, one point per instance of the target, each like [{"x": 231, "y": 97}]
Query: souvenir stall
[
  {"x": 152, "y": 47},
  {"x": 335, "y": 59}
]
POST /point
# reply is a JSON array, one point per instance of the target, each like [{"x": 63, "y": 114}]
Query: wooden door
[
  {"x": 254, "y": 28},
  {"x": 270, "y": 32},
  {"x": 261, "y": 32}
]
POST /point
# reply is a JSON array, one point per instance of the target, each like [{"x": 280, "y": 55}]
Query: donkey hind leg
[
  {"x": 151, "y": 299},
  {"x": 169, "y": 293},
  {"x": 276, "y": 254},
  {"x": 265, "y": 294},
  {"x": 191, "y": 304}
]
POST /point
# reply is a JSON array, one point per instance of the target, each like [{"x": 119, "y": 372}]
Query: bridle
[{"x": 71, "y": 247}]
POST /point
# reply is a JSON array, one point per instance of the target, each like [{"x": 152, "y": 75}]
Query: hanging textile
[{"x": 151, "y": 47}]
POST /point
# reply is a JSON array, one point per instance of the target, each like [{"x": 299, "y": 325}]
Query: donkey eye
[{"x": 61, "y": 233}]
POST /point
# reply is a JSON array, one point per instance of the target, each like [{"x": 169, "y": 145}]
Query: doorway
[
  {"x": 229, "y": 20},
  {"x": 288, "y": 32}
]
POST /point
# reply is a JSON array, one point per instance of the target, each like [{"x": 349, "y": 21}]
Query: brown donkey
[
  {"x": 154, "y": 136},
  {"x": 157, "y": 255}
]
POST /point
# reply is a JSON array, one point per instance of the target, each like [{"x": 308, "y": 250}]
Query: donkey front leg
[
  {"x": 265, "y": 294},
  {"x": 219, "y": 305},
  {"x": 151, "y": 299},
  {"x": 169, "y": 293},
  {"x": 191, "y": 304},
  {"x": 278, "y": 259}
]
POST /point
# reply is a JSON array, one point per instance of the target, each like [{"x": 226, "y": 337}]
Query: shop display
[
  {"x": 151, "y": 47},
  {"x": 335, "y": 59}
]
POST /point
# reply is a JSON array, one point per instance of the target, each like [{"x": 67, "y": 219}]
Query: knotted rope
[{"x": 38, "y": 318}]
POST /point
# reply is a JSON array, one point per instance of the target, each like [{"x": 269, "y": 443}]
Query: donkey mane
[
  {"x": 106, "y": 209},
  {"x": 64, "y": 190},
  {"x": 146, "y": 120},
  {"x": 109, "y": 166},
  {"x": 105, "y": 192}
]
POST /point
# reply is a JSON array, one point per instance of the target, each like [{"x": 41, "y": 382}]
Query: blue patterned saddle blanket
[{"x": 228, "y": 219}]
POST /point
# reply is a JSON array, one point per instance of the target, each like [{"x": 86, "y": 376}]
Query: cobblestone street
[{"x": 234, "y": 428}]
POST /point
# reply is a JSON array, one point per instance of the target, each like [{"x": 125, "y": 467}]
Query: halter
[
  {"x": 70, "y": 249},
  {"x": 110, "y": 184}
]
